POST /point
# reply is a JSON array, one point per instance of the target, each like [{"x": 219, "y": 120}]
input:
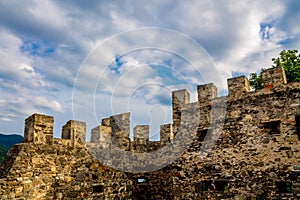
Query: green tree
[
  {"x": 3, "y": 151},
  {"x": 290, "y": 62},
  {"x": 256, "y": 81}
]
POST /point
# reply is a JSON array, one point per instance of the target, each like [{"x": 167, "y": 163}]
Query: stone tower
[
  {"x": 39, "y": 129},
  {"x": 75, "y": 131}
]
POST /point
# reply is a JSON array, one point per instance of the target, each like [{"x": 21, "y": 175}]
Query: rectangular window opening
[
  {"x": 94, "y": 177},
  {"x": 297, "y": 118},
  {"x": 284, "y": 187},
  {"x": 202, "y": 186},
  {"x": 222, "y": 185},
  {"x": 272, "y": 127},
  {"x": 98, "y": 189}
]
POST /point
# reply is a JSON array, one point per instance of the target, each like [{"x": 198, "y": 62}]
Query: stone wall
[
  {"x": 75, "y": 131},
  {"x": 39, "y": 129},
  {"x": 238, "y": 86},
  {"x": 179, "y": 99},
  {"x": 242, "y": 146}
]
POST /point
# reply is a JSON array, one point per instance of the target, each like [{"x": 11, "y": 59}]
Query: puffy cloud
[{"x": 43, "y": 46}]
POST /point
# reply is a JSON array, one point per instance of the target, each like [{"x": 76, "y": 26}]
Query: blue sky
[{"x": 46, "y": 54}]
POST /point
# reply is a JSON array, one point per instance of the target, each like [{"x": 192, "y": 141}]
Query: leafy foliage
[
  {"x": 290, "y": 62},
  {"x": 256, "y": 81}
]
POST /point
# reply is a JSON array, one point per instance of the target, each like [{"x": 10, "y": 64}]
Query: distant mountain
[
  {"x": 10, "y": 140},
  {"x": 6, "y": 142}
]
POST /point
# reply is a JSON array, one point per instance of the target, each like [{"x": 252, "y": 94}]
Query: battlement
[
  {"x": 273, "y": 77},
  {"x": 238, "y": 86},
  {"x": 166, "y": 133},
  {"x": 75, "y": 131},
  {"x": 206, "y": 93},
  {"x": 116, "y": 128},
  {"x": 254, "y": 150},
  {"x": 179, "y": 99},
  {"x": 141, "y": 134},
  {"x": 39, "y": 129}
]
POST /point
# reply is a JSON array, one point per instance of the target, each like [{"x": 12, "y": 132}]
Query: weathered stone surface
[
  {"x": 75, "y": 131},
  {"x": 39, "y": 129},
  {"x": 254, "y": 154}
]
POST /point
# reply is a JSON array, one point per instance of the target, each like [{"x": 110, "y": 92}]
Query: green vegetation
[
  {"x": 6, "y": 142},
  {"x": 256, "y": 81},
  {"x": 290, "y": 62},
  {"x": 3, "y": 151}
]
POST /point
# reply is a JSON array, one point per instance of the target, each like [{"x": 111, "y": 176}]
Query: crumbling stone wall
[
  {"x": 39, "y": 129},
  {"x": 242, "y": 146},
  {"x": 75, "y": 131}
]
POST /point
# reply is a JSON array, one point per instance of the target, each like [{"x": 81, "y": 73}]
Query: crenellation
[
  {"x": 254, "y": 151},
  {"x": 206, "y": 93},
  {"x": 166, "y": 133},
  {"x": 179, "y": 99},
  {"x": 39, "y": 129},
  {"x": 141, "y": 134},
  {"x": 101, "y": 135},
  {"x": 238, "y": 86},
  {"x": 120, "y": 122},
  {"x": 75, "y": 131},
  {"x": 120, "y": 130},
  {"x": 274, "y": 77},
  {"x": 95, "y": 135}
]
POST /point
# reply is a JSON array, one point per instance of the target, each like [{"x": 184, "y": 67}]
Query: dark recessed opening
[
  {"x": 201, "y": 134},
  {"x": 222, "y": 185},
  {"x": 297, "y": 118},
  {"x": 272, "y": 127},
  {"x": 94, "y": 176},
  {"x": 202, "y": 186},
  {"x": 98, "y": 188},
  {"x": 284, "y": 187}
]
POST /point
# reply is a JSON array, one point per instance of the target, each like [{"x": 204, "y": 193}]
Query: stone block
[
  {"x": 166, "y": 133},
  {"x": 120, "y": 123},
  {"x": 206, "y": 93},
  {"x": 39, "y": 129},
  {"x": 179, "y": 99},
  {"x": 141, "y": 134},
  {"x": 273, "y": 77},
  {"x": 75, "y": 131},
  {"x": 238, "y": 86}
]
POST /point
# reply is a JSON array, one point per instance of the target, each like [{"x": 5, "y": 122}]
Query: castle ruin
[{"x": 252, "y": 138}]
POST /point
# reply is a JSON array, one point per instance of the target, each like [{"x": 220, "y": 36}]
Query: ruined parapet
[
  {"x": 120, "y": 123},
  {"x": 120, "y": 130},
  {"x": 166, "y": 133},
  {"x": 238, "y": 86},
  {"x": 141, "y": 134},
  {"x": 39, "y": 129},
  {"x": 273, "y": 77},
  {"x": 101, "y": 135},
  {"x": 95, "y": 135},
  {"x": 75, "y": 131},
  {"x": 179, "y": 99},
  {"x": 206, "y": 93}
]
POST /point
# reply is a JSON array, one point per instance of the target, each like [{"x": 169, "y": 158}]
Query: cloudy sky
[{"x": 87, "y": 60}]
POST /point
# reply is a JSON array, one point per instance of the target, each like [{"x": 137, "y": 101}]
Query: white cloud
[{"x": 229, "y": 31}]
